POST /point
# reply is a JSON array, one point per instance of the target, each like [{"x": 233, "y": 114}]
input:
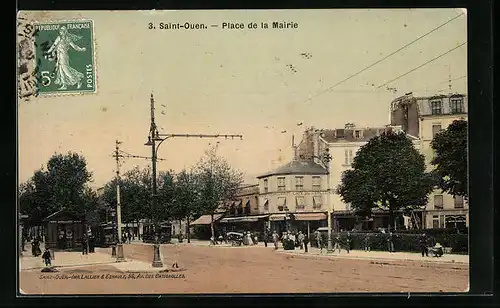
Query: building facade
[
  {"x": 294, "y": 196},
  {"x": 425, "y": 117},
  {"x": 342, "y": 144}
]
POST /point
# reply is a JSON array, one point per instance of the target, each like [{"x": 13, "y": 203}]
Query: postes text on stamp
[{"x": 64, "y": 53}]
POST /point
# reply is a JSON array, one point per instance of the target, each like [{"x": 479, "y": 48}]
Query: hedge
[{"x": 403, "y": 242}]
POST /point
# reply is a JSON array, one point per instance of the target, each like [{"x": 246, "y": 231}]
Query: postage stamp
[{"x": 64, "y": 54}]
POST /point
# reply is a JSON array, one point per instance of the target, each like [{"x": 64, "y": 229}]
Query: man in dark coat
[
  {"x": 85, "y": 245},
  {"x": 423, "y": 245},
  {"x": 266, "y": 237}
]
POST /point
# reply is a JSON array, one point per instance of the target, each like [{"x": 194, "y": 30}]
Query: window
[
  {"x": 281, "y": 184},
  {"x": 266, "y": 186},
  {"x": 299, "y": 183},
  {"x": 436, "y": 107},
  {"x": 348, "y": 157},
  {"x": 247, "y": 207},
  {"x": 317, "y": 202},
  {"x": 441, "y": 221},
  {"x": 436, "y": 128},
  {"x": 438, "y": 202},
  {"x": 459, "y": 202},
  {"x": 357, "y": 134},
  {"x": 300, "y": 202},
  {"x": 457, "y": 105},
  {"x": 435, "y": 222},
  {"x": 316, "y": 180}
]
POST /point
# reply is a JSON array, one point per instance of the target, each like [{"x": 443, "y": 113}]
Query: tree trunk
[
  {"x": 212, "y": 227},
  {"x": 188, "y": 231}
]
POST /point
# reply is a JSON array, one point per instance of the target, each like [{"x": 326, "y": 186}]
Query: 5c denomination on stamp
[{"x": 64, "y": 53}]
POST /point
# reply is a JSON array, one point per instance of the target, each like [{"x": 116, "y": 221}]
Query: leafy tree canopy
[
  {"x": 63, "y": 184},
  {"x": 450, "y": 160},
  {"x": 387, "y": 173}
]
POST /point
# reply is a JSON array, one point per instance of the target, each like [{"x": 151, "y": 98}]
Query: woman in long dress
[{"x": 65, "y": 74}]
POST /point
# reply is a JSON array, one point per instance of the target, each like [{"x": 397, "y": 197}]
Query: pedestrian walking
[
  {"x": 300, "y": 238},
  {"x": 266, "y": 235},
  {"x": 92, "y": 244},
  {"x": 47, "y": 257},
  {"x": 348, "y": 242},
  {"x": 367, "y": 242},
  {"x": 35, "y": 247},
  {"x": 275, "y": 239},
  {"x": 85, "y": 245},
  {"x": 390, "y": 242},
  {"x": 319, "y": 240},
  {"x": 337, "y": 245},
  {"x": 423, "y": 245},
  {"x": 306, "y": 242}
]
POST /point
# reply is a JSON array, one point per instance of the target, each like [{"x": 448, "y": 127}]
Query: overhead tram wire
[
  {"x": 384, "y": 58},
  {"x": 422, "y": 65}
]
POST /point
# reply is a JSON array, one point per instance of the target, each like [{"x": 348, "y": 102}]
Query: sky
[{"x": 223, "y": 81}]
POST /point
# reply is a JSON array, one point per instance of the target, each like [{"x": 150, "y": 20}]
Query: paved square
[{"x": 249, "y": 270}]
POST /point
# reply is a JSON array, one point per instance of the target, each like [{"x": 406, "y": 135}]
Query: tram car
[{"x": 165, "y": 233}]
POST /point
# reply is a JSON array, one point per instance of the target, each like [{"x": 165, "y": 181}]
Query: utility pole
[
  {"x": 153, "y": 137},
  {"x": 119, "y": 246},
  {"x": 117, "y": 155}
]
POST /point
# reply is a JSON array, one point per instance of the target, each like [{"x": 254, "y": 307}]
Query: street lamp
[{"x": 152, "y": 138}]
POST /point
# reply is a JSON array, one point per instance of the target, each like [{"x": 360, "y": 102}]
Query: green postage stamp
[{"x": 64, "y": 54}]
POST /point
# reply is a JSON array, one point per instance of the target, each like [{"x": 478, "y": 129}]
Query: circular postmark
[{"x": 27, "y": 84}]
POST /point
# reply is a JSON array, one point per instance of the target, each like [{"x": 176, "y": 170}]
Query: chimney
[{"x": 294, "y": 148}]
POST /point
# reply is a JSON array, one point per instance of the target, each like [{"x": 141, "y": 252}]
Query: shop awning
[
  {"x": 206, "y": 219},
  {"x": 242, "y": 219},
  {"x": 275, "y": 217},
  {"x": 266, "y": 203},
  {"x": 247, "y": 204},
  {"x": 310, "y": 216}
]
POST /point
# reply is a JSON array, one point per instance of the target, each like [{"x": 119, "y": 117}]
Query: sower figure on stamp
[{"x": 65, "y": 74}]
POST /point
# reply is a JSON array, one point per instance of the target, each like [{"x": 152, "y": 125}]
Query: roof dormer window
[{"x": 436, "y": 107}]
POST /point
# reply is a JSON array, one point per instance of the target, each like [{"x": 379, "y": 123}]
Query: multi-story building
[
  {"x": 342, "y": 145},
  {"x": 294, "y": 196},
  {"x": 424, "y": 117}
]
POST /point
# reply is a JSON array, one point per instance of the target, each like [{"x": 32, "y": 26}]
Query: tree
[
  {"x": 450, "y": 159},
  {"x": 135, "y": 194},
  {"x": 187, "y": 192},
  {"x": 388, "y": 173},
  {"x": 218, "y": 182},
  {"x": 64, "y": 184}
]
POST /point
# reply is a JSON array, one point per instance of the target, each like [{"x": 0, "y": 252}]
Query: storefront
[
  {"x": 201, "y": 226},
  {"x": 64, "y": 230},
  {"x": 255, "y": 223}
]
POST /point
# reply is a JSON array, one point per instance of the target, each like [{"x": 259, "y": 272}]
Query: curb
[
  {"x": 371, "y": 258},
  {"x": 68, "y": 266}
]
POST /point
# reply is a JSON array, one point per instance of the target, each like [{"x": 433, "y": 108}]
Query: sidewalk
[
  {"x": 378, "y": 255},
  {"x": 65, "y": 259}
]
